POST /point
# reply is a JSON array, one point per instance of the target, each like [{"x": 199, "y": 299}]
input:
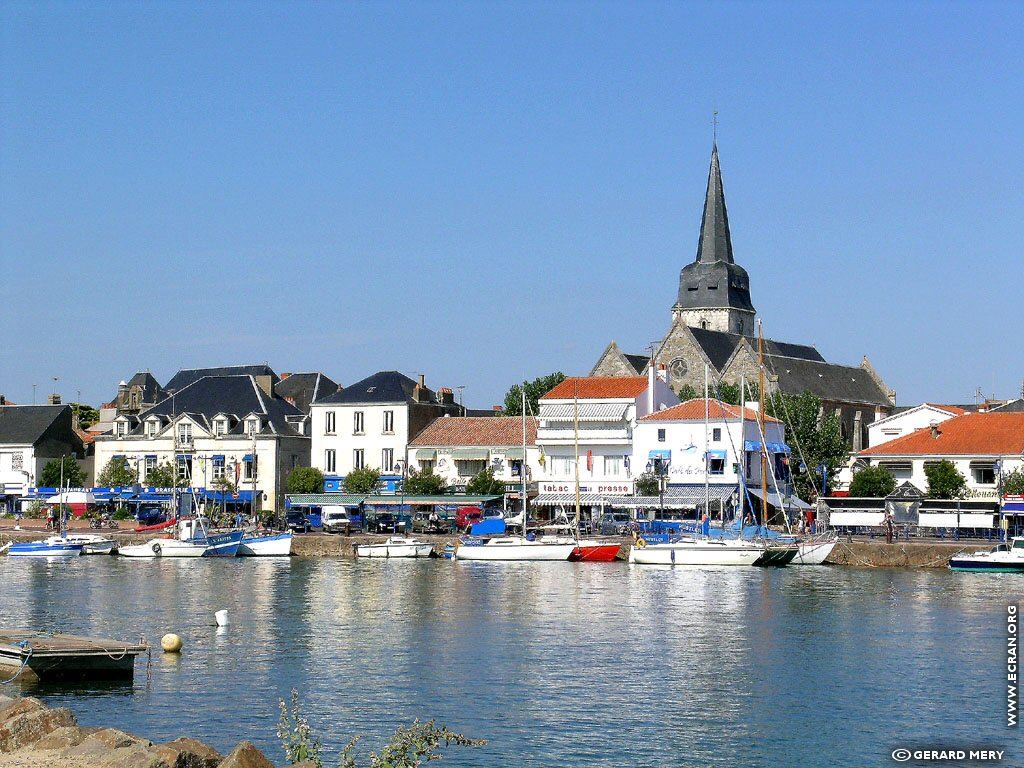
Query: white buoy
[
  {"x": 222, "y": 618},
  {"x": 171, "y": 643}
]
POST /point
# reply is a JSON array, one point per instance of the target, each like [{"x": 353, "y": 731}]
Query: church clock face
[{"x": 678, "y": 368}]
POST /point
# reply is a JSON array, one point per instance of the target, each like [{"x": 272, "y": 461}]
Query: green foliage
[
  {"x": 305, "y": 480},
  {"x": 35, "y": 509},
  {"x": 945, "y": 481},
  {"x": 295, "y": 734},
  {"x": 647, "y": 484},
  {"x": 1013, "y": 482},
  {"x": 485, "y": 484},
  {"x": 362, "y": 480},
  {"x": 730, "y": 393},
  {"x": 534, "y": 391},
  {"x": 162, "y": 475},
  {"x": 87, "y": 415},
  {"x": 117, "y": 474},
  {"x": 412, "y": 746},
  {"x": 424, "y": 484},
  {"x": 73, "y": 474},
  {"x": 872, "y": 482},
  {"x": 818, "y": 435},
  {"x": 121, "y": 513},
  {"x": 688, "y": 392}
]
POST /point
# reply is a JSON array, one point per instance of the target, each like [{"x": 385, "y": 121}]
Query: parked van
[
  {"x": 336, "y": 519},
  {"x": 466, "y": 516}
]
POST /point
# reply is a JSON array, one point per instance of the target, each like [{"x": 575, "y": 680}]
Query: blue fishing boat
[
  {"x": 272, "y": 545},
  {"x": 221, "y": 544},
  {"x": 50, "y": 548}
]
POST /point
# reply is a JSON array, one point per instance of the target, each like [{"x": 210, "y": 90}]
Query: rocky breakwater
[{"x": 33, "y": 735}]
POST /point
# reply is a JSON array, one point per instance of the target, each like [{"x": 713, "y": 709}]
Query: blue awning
[
  {"x": 723, "y": 455},
  {"x": 151, "y": 456},
  {"x": 218, "y": 458},
  {"x": 116, "y": 457},
  {"x": 660, "y": 454},
  {"x": 755, "y": 446},
  {"x": 185, "y": 456},
  {"x": 247, "y": 457}
]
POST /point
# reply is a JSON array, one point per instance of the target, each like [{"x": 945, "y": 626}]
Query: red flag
[{"x": 590, "y": 461}]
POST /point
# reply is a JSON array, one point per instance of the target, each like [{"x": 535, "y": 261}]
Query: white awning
[
  {"x": 677, "y": 497},
  {"x": 567, "y": 499},
  {"x": 587, "y": 412},
  {"x": 792, "y": 502}
]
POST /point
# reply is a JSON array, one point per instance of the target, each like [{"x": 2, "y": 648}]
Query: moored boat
[
  {"x": 509, "y": 548},
  {"x": 91, "y": 543},
  {"x": 686, "y": 551},
  {"x": 46, "y": 548},
  {"x": 396, "y": 546},
  {"x": 220, "y": 544},
  {"x": 1005, "y": 558},
  {"x": 163, "y": 548},
  {"x": 594, "y": 551},
  {"x": 814, "y": 550},
  {"x": 778, "y": 553},
  {"x": 273, "y": 545}
]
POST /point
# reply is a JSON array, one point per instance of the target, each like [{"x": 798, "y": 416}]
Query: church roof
[
  {"x": 638, "y": 362},
  {"x": 715, "y": 243},
  {"x": 719, "y": 346},
  {"x": 836, "y": 383}
]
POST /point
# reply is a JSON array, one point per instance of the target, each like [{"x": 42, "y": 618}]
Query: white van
[{"x": 336, "y": 520}]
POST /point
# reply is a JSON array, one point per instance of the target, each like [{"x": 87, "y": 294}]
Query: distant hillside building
[{"x": 713, "y": 322}]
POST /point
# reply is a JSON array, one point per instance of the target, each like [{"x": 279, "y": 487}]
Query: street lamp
[
  {"x": 400, "y": 466},
  {"x": 660, "y": 465}
]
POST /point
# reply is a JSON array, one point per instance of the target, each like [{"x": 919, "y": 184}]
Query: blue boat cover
[{"x": 489, "y": 527}]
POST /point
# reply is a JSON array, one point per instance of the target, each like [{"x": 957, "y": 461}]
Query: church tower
[{"x": 714, "y": 291}]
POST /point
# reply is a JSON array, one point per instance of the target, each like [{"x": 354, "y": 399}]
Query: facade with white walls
[
  {"x": 910, "y": 420},
  {"x": 30, "y": 437}
]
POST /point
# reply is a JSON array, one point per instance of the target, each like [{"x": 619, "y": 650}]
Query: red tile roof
[
  {"x": 693, "y": 410},
  {"x": 973, "y": 434},
  {"x": 956, "y": 410},
  {"x": 598, "y": 388},
  {"x": 477, "y": 430}
]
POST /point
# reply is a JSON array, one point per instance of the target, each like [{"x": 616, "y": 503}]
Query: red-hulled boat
[{"x": 592, "y": 551}]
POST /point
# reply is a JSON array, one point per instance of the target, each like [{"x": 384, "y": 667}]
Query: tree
[
  {"x": 534, "y": 391},
  {"x": 687, "y": 392},
  {"x": 362, "y": 480},
  {"x": 424, "y": 484},
  {"x": 87, "y": 415},
  {"x": 816, "y": 437},
  {"x": 305, "y": 480},
  {"x": 945, "y": 481},
  {"x": 485, "y": 484},
  {"x": 117, "y": 474},
  {"x": 1013, "y": 482},
  {"x": 872, "y": 482},
  {"x": 162, "y": 475},
  {"x": 73, "y": 475},
  {"x": 730, "y": 393},
  {"x": 647, "y": 484}
]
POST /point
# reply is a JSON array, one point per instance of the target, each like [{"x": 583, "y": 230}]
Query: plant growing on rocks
[{"x": 295, "y": 734}]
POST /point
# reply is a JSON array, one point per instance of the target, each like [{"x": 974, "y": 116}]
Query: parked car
[
  {"x": 466, "y": 516},
  {"x": 336, "y": 519},
  {"x": 421, "y": 523},
  {"x": 616, "y": 523},
  {"x": 150, "y": 516},
  {"x": 386, "y": 522},
  {"x": 298, "y": 521}
]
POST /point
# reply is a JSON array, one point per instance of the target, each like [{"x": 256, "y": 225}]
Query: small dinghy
[
  {"x": 1005, "y": 558},
  {"x": 396, "y": 546}
]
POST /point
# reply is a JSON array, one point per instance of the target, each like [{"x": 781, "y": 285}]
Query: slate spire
[{"x": 715, "y": 242}]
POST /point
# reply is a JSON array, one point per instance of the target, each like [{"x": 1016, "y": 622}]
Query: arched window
[{"x": 704, "y": 324}]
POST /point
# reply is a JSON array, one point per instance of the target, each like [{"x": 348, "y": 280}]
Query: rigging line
[
  {"x": 796, "y": 436},
  {"x": 768, "y": 463}
]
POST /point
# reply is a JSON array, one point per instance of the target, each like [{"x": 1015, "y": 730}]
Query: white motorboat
[
  {"x": 512, "y": 548},
  {"x": 91, "y": 543},
  {"x": 689, "y": 551},
  {"x": 814, "y": 550},
  {"x": 274, "y": 545},
  {"x": 164, "y": 548},
  {"x": 1005, "y": 558},
  {"x": 396, "y": 546}
]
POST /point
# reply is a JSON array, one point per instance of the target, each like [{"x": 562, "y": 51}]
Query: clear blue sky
[{"x": 488, "y": 191}]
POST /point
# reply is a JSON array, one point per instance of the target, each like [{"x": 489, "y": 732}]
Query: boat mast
[
  {"x": 576, "y": 443},
  {"x": 522, "y": 470},
  {"x": 741, "y": 465},
  {"x": 60, "y": 521},
  {"x": 707, "y": 418},
  {"x": 760, "y": 426}
]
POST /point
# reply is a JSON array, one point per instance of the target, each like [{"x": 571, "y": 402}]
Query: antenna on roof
[{"x": 714, "y": 128}]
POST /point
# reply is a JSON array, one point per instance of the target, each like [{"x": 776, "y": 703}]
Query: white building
[
  {"x": 607, "y": 410},
  {"x": 910, "y": 420},
  {"x": 31, "y": 436},
  {"x": 982, "y": 446},
  {"x": 459, "y": 448},
  {"x": 215, "y": 427},
  {"x": 370, "y": 423}
]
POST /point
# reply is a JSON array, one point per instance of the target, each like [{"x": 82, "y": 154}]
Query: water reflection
[{"x": 556, "y": 664}]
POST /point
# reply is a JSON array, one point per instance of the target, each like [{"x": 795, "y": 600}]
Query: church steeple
[
  {"x": 715, "y": 242},
  {"x": 714, "y": 291}
]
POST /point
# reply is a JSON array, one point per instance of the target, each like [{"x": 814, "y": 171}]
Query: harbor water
[{"x": 555, "y": 664}]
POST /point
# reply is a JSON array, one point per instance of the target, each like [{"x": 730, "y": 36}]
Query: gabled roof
[
  {"x": 837, "y": 383},
  {"x": 151, "y": 389},
  {"x": 973, "y": 434},
  {"x": 210, "y": 395},
  {"x": 187, "y": 376},
  {"x": 1014, "y": 406},
  {"x": 719, "y": 347},
  {"x": 954, "y": 410},
  {"x": 381, "y": 387},
  {"x": 598, "y": 387},
  {"x": 304, "y": 388},
  {"x": 950, "y": 410},
  {"x": 638, "y": 362},
  {"x": 478, "y": 430},
  {"x": 21, "y": 424},
  {"x": 693, "y": 410}
]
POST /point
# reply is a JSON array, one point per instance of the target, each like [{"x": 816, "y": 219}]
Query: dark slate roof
[
  {"x": 26, "y": 423},
  {"x": 838, "y": 383},
  {"x": 638, "y": 362},
  {"x": 187, "y": 376},
  {"x": 381, "y": 387},
  {"x": 714, "y": 279},
  {"x": 719, "y": 346},
  {"x": 1014, "y": 406},
  {"x": 236, "y": 395},
  {"x": 151, "y": 389},
  {"x": 304, "y": 388}
]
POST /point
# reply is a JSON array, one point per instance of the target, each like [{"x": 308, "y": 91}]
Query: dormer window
[
  {"x": 122, "y": 429},
  {"x": 185, "y": 433},
  {"x": 252, "y": 427},
  {"x": 152, "y": 428},
  {"x": 220, "y": 427}
]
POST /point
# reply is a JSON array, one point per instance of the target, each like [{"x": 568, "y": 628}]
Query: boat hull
[
  {"x": 279, "y": 545},
  {"x": 395, "y": 549},
  {"x": 984, "y": 564},
  {"x": 778, "y": 555},
  {"x": 815, "y": 551},
  {"x": 91, "y": 544},
  {"x": 696, "y": 553},
  {"x": 506, "y": 550},
  {"x": 44, "y": 549},
  {"x": 222, "y": 544},
  {"x": 595, "y": 552},
  {"x": 163, "y": 548}
]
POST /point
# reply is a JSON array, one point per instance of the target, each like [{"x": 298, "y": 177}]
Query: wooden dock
[{"x": 47, "y": 656}]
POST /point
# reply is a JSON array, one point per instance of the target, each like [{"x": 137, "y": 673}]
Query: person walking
[{"x": 889, "y": 528}]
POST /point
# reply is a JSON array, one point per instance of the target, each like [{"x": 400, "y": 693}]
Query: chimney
[
  {"x": 651, "y": 376},
  {"x": 53, "y": 399},
  {"x": 419, "y": 392},
  {"x": 935, "y": 430},
  {"x": 266, "y": 383},
  {"x": 446, "y": 396},
  {"x": 3, "y": 400},
  {"x": 497, "y": 408}
]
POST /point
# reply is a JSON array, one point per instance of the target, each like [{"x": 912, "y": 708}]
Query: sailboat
[
  {"x": 255, "y": 544},
  {"x": 53, "y": 546},
  {"x": 511, "y": 548}
]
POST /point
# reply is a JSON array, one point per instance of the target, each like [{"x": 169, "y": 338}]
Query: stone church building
[{"x": 714, "y": 322}]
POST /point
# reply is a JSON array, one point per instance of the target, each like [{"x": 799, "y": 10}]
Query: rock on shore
[{"x": 33, "y": 735}]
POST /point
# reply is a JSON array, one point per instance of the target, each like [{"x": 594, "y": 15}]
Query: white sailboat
[
  {"x": 509, "y": 548},
  {"x": 164, "y": 548},
  {"x": 90, "y": 542},
  {"x": 396, "y": 546}
]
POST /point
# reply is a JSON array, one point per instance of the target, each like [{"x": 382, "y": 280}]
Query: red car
[{"x": 466, "y": 516}]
